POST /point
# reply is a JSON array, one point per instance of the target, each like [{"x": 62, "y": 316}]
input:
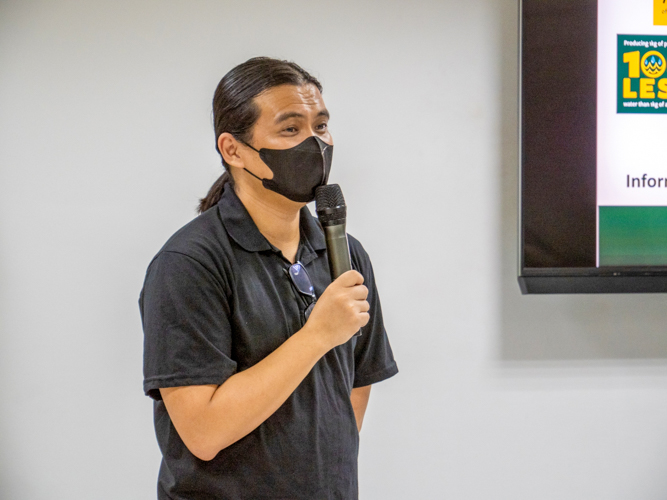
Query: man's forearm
[{"x": 210, "y": 418}]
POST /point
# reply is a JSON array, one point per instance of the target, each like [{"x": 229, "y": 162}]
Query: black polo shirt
[{"x": 216, "y": 300}]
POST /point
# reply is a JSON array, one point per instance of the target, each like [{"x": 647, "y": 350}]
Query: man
[{"x": 250, "y": 350}]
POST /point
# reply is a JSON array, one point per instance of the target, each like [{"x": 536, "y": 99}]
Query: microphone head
[
  {"x": 329, "y": 196},
  {"x": 330, "y": 205}
]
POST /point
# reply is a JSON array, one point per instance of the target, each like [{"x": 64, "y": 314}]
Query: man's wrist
[{"x": 313, "y": 340}]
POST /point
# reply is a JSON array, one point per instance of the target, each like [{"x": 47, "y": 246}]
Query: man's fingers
[
  {"x": 350, "y": 278},
  {"x": 359, "y": 292}
]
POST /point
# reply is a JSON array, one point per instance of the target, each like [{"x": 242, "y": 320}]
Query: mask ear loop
[{"x": 258, "y": 178}]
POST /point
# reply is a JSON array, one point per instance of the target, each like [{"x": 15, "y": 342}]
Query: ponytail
[{"x": 215, "y": 193}]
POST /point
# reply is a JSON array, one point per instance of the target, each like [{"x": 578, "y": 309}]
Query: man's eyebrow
[{"x": 295, "y": 114}]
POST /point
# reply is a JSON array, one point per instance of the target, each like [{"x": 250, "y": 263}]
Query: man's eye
[
  {"x": 322, "y": 126},
  {"x": 291, "y": 130}
]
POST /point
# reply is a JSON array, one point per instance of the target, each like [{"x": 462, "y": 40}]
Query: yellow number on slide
[{"x": 632, "y": 58}]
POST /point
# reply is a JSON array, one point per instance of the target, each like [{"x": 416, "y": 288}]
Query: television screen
[{"x": 593, "y": 146}]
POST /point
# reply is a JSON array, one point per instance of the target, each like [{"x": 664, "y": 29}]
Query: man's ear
[{"x": 229, "y": 148}]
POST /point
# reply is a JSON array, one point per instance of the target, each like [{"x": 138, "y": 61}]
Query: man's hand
[{"x": 341, "y": 310}]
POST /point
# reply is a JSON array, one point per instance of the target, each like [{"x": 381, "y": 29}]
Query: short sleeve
[
  {"x": 373, "y": 357},
  {"x": 187, "y": 334}
]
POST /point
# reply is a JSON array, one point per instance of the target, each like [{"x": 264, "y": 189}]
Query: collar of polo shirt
[{"x": 242, "y": 228}]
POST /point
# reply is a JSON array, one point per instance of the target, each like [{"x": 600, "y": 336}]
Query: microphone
[{"x": 332, "y": 213}]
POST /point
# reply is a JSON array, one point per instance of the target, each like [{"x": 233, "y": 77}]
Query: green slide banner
[{"x": 633, "y": 236}]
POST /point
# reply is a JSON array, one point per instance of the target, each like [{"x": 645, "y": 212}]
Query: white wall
[{"x": 105, "y": 146}]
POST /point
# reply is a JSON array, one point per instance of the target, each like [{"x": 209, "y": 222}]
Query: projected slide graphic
[
  {"x": 642, "y": 80},
  {"x": 632, "y": 133}
]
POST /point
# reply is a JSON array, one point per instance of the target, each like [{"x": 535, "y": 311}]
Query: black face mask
[{"x": 297, "y": 171}]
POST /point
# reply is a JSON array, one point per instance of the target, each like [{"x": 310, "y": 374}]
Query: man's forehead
[{"x": 287, "y": 101}]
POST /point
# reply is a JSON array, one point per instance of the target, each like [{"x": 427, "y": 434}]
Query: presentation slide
[{"x": 632, "y": 133}]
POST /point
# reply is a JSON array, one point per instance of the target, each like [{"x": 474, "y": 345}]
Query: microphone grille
[
  {"x": 329, "y": 196},
  {"x": 331, "y": 209}
]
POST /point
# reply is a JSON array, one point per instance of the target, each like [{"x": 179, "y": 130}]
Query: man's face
[{"x": 288, "y": 115}]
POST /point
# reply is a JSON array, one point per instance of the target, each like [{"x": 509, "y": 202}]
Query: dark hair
[{"x": 235, "y": 111}]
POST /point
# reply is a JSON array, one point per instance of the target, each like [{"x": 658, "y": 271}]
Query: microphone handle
[{"x": 338, "y": 250}]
